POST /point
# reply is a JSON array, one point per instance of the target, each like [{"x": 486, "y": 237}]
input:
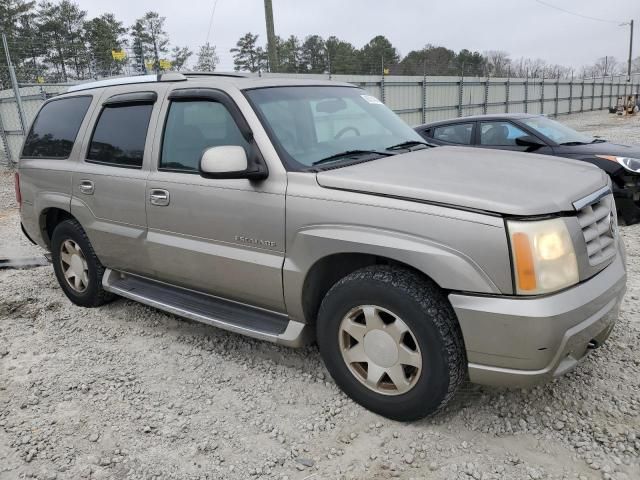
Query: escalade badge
[{"x": 255, "y": 241}]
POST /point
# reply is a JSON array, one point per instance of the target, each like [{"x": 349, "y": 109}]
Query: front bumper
[{"x": 518, "y": 342}]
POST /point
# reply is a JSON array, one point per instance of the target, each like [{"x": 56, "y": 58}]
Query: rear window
[
  {"x": 54, "y": 130},
  {"x": 457, "y": 133},
  {"x": 120, "y": 135}
]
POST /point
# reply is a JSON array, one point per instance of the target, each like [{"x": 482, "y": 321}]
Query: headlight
[
  {"x": 629, "y": 163},
  {"x": 544, "y": 259}
]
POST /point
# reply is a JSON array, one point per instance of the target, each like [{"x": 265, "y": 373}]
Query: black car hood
[{"x": 600, "y": 148}]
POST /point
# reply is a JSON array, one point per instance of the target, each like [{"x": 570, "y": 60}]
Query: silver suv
[{"x": 294, "y": 210}]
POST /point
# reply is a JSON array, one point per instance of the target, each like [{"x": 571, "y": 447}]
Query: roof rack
[
  {"x": 162, "y": 77},
  {"x": 216, "y": 74}
]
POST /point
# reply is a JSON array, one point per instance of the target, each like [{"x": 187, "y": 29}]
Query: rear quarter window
[{"x": 55, "y": 128}]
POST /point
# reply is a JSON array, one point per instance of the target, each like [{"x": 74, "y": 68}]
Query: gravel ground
[{"x": 126, "y": 391}]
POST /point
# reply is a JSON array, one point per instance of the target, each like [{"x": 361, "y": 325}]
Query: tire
[
  {"x": 88, "y": 292},
  {"x": 434, "y": 341}
]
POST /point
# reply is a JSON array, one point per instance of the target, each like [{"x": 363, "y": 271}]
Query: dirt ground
[{"x": 126, "y": 391}]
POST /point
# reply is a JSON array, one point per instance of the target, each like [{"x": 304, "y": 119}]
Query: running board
[{"x": 228, "y": 315}]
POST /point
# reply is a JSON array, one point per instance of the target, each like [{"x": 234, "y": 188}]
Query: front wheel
[{"x": 391, "y": 341}]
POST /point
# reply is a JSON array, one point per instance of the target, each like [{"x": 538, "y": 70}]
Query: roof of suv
[{"x": 235, "y": 79}]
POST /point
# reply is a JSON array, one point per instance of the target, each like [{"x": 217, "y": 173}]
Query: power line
[
  {"x": 213, "y": 11},
  {"x": 577, "y": 14}
]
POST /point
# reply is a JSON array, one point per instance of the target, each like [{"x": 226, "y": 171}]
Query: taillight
[{"x": 17, "y": 185}]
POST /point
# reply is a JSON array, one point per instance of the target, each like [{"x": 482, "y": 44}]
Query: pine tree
[
  {"x": 207, "y": 58},
  {"x": 152, "y": 36},
  {"x": 247, "y": 55},
  {"x": 104, "y": 34},
  {"x": 179, "y": 57}
]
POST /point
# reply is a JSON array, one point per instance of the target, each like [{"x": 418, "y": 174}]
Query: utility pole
[
  {"x": 271, "y": 36},
  {"x": 630, "y": 50}
]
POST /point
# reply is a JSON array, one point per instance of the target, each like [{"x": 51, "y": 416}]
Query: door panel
[
  {"x": 108, "y": 187},
  {"x": 221, "y": 237},
  {"x": 219, "y": 240}
]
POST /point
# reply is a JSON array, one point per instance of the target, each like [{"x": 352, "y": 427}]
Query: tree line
[
  {"x": 56, "y": 41},
  {"x": 379, "y": 57}
]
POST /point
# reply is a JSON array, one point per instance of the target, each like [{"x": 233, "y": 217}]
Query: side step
[{"x": 228, "y": 315}]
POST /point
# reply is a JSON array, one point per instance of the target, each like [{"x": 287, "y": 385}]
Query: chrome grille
[{"x": 599, "y": 227}]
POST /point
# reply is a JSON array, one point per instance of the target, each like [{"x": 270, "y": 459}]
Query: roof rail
[
  {"x": 163, "y": 77},
  {"x": 215, "y": 74}
]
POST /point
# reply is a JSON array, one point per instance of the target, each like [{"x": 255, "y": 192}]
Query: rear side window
[
  {"x": 192, "y": 127},
  {"x": 54, "y": 130},
  {"x": 119, "y": 136},
  {"x": 459, "y": 133}
]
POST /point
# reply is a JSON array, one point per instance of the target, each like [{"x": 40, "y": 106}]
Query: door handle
[
  {"x": 159, "y": 197},
  {"x": 86, "y": 187}
]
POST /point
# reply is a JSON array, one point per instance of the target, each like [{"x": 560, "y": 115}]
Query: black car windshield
[
  {"x": 312, "y": 124},
  {"x": 556, "y": 131}
]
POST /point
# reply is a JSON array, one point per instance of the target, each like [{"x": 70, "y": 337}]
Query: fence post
[
  {"x": 486, "y": 95},
  {"x": 5, "y": 143},
  {"x": 602, "y": 94},
  {"x": 557, "y": 99},
  {"x": 424, "y": 97},
  {"x": 507, "y": 91},
  {"x": 610, "y": 90},
  {"x": 570, "y": 93},
  {"x": 582, "y": 96},
  {"x": 460, "y": 88},
  {"x": 14, "y": 83},
  {"x": 526, "y": 93},
  {"x": 593, "y": 93},
  {"x": 542, "y": 94}
]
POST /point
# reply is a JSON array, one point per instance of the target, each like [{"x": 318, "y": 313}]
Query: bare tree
[{"x": 498, "y": 63}]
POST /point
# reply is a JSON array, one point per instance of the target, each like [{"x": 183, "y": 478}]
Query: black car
[{"x": 539, "y": 134}]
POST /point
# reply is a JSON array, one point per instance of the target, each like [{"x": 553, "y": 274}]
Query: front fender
[{"x": 449, "y": 268}]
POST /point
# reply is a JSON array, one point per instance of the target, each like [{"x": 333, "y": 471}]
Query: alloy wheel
[
  {"x": 74, "y": 266},
  {"x": 380, "y": 350}
]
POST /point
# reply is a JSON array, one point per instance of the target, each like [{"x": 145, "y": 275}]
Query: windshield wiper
[
  {"x": 569, "y": 144},
  {"x": 408, "y": 145},
  {"x": 350, "y": 153},
  {"x": 598, "y": 140}
]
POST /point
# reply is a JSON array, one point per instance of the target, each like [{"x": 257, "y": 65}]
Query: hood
[
  {"x": 505, "y": 182},
  {"x": 603, "y": 148}
]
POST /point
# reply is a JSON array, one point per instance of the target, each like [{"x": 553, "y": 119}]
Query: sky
[{"x": 523, "y": 28}]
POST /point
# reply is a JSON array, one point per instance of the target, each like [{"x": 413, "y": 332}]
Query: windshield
[
  {"x": 312, "y": 124},
  {"x": 556, "y": 131}
]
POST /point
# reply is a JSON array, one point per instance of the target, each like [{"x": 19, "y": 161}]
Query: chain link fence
[{"x": 416, "y": 99}]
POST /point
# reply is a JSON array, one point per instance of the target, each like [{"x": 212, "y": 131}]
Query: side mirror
[
  {"x": 529, "y": 142},
  {"x": 229, "y": 161}
]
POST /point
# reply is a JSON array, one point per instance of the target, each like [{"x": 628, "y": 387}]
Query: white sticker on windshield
[{"x": 371, "y": 99}]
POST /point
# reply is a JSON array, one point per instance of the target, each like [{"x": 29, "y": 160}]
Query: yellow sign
[
  {"x": 165, "y": 64},
  {"x": 118, "y": 55},
  {"x": 149, "y": 65},
  {"x": 386, "y": 71},
  {"x": 40, "y": 80}
]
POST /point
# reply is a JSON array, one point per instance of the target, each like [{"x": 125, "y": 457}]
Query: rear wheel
[
  {"x": 77, "y": 268},
  {"x": 391, "y": 341}
]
